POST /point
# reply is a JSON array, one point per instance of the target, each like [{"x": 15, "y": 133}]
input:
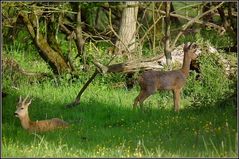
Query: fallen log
[
  {"x": 131, "y": 66},
  {"x": 159, "y": 62},
  {"x": 155, "y": 63}
]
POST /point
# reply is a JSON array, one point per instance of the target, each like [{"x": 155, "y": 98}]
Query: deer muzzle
[{"x": 16, "y": 114}]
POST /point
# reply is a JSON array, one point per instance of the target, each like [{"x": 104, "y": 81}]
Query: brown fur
[
  {"x": 36, "y": 126},
  {"x": 152, "y": 81}
]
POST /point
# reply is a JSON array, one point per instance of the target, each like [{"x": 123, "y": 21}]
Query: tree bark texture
[
  {"x": 127, "y": 32},
  {"x": 167, "y": 50},
  {"x": 51, "y": 34},
  {"x": 52, "y": 57},
  {"x": 79, "y": 37},
  {"x": 158, "y": 62}
]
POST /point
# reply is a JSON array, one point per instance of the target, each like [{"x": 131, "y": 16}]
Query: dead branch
[
  {"x": 115, "y": 68},
  {"x": 155, "y": 63},
  {"x": 208, "y": 24},
  {"x": 151, "y": 27},
  {"x": 129, "y": 66},
  {"x": 77, "y": 100},
  {"x": 193, "y": 21},
  {"x": 98, "y": 69}
]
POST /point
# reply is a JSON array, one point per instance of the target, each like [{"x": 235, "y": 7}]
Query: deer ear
[
  {"x": 191, "y": 45},
  {"x": 185, "y": 46},
  {"x": 195, "y": 46},
  {"x": 20, "y": 99},
  {"x": 26, "y": 98},
  {"x": 30, "y": 101}
]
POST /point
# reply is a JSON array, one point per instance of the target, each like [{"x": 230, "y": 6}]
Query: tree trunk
[
  {"x": 51, "y": 34},
  {"x": 78, "y": 30},
  {"x": 175, "y": 20},
  {"x": 52, "y": 57},
  {"x": 79, "y": 37},
  {"x": 167, "y": 50},
  {"x": 126, "y": 43},
  {"x": 127, "y": 33}
]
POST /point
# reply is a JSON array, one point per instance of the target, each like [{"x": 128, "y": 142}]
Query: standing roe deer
[
  {"x": 151, "y": 81},
  {"x": 37, "y": 126}
]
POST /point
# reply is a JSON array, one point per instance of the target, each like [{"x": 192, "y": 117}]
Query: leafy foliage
[{"x": 212, "y": 84}]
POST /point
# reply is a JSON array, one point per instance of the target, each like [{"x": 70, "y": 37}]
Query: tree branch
[
  {"x": 208, "y": 24},
  {"x": 193, "y": 21}
]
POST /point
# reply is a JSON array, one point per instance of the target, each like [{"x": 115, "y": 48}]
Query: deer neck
[
  {"x": 186, "y": 65},
  {"x": 25, "y": 121}
]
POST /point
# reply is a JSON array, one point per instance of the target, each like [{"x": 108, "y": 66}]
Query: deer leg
[
  {"x": 176, "y": 97},
  {"x": 137, "y": 98},
  {"x": 142, "y": 98}
]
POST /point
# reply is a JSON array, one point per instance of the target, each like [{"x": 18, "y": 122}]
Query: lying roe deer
[
  {"x": 37, "y": 126},
  {"x": 151, "y": 81}
]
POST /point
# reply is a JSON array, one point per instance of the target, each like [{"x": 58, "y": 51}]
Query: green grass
[
  {"x": 104, "y": 125},
  {"x": 24, "y": 57}
]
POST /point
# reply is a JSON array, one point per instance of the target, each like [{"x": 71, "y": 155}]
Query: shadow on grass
[{"x": 96, "y": 124}]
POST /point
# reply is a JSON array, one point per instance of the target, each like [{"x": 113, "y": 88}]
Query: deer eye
[{"x": 22, "y": 108}]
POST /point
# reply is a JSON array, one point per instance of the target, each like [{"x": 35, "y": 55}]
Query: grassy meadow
[{"x": 105, "y": 125}]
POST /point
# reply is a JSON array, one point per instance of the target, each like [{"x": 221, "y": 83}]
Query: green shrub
[{"x": 212, "y": 85}]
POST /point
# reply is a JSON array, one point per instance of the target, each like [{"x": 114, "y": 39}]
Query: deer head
[
  {"x": 190, "y": 50},
  {"x": 22, "y": 107}
]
